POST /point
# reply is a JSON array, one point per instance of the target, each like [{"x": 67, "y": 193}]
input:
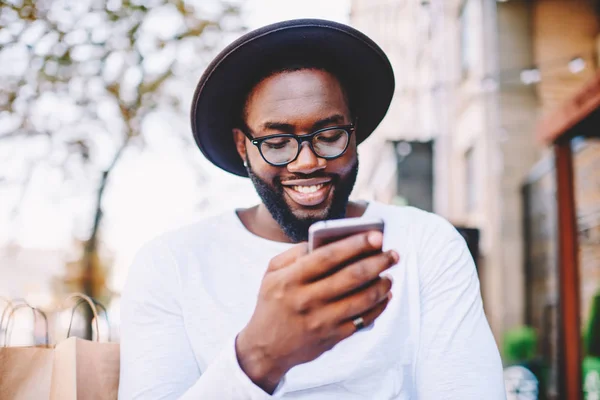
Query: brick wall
[{"x": 563, "y": 29}]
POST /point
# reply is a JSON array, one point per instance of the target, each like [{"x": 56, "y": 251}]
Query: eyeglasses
[{"x": 281, "y": 149}]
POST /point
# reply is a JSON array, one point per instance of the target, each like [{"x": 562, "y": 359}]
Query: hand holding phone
[
  {"x": 310, "y": 301},
  {"x": 324, "y": 232}
]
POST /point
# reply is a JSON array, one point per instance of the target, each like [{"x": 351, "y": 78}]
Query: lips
[{"x": 308, "y": 192}]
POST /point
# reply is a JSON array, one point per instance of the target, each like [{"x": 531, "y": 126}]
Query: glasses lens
[
  {"x": 279, "y": 150},
  {"x": 330, "y": 143}
]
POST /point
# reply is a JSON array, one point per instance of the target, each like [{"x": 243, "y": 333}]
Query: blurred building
[
  {"x": 404, "y": 138},
  {"x": 473, "y": 78},
  {"x": 565, "y": 41},
  {"x": 490, "y": 115},
  {"x": 565, "y": 38},
  {"x": 447, "y": 60}
]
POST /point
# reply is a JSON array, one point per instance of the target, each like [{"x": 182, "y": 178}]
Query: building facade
[
  {"x": 488, "y": 70},
  {"x": 474, "y": 77},
  {"x": 405, "y": 135},
  {"x": 448, "y": 59}
]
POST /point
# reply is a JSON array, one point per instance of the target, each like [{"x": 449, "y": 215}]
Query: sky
[{"x": 154, "y": 190}]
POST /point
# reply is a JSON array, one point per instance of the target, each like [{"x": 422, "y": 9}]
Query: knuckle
[
  {"x": 374, "y": 295},
  {"x": 360, "y": 271},
  {"x": 273, "y": 264},
  {"x": 276, "y": 289},
  {"x": 315, "y": 326},
  {"x": 278, "y": 294},
  {"x": 364, "y": 241},
  {"x": 285, "y": 282},
  {"x": 302, "y": 304},
  {"x": 327, "y": 253}
]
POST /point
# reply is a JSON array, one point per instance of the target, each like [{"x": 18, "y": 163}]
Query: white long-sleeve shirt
[{"x": 190, "y": 292}]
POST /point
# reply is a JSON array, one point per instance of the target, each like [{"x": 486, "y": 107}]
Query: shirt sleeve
[
  {"x": 457, "y": 357},
  {"x": 157, "y": 360}
]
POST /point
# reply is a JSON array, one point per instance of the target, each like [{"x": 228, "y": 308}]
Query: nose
[{"x": 307, "y": 161}]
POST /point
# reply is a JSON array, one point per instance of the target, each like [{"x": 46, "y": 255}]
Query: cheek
[
  {"x": 344, "y": 164},
  {"x": 260, "y": 167}
]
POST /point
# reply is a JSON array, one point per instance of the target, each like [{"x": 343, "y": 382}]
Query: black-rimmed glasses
[{"x": 281, "y": 149}]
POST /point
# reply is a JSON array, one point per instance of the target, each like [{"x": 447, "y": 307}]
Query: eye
[
  {"x": 274, "y": 146},
  {"x": 331, "y": 136},
  {"x": 276, "y": 143}
]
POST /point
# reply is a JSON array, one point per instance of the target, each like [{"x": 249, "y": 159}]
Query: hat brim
[{"x": 219, "y": 96}]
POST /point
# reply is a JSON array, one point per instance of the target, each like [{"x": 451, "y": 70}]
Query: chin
[
  {"x": 312, "y": 213},
  {"x": 318, "y": 212}
]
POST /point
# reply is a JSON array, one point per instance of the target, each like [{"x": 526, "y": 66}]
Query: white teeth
[{"x": 307, "y": 189}]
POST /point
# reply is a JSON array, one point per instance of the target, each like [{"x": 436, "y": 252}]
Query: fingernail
[
  {"x": 375, "y": 239},
  {"x": 395, "y": 256},
  {"x": 390, "y": 295}
]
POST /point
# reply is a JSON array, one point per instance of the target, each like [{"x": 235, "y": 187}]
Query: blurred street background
[{"x": 494, "y": 125}]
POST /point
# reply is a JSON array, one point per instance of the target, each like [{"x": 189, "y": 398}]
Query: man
[{"x": 235, "y": 307}]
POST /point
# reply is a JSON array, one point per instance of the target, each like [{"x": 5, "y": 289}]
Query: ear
[{"x": 240, "y": 143}]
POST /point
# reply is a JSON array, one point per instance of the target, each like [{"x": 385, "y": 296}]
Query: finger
[
  {"x": 353, "y": 276},
  {"x": 288, "y": 257},
  {"x": 347, "y": 327},
  {"x": 360, "y": 302},
  {"x": 325, "y": 259}
]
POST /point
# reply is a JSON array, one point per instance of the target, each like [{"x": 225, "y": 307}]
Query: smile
[
  {"x": 307, "y": 189},
  {"x": 309, "y": 192}
]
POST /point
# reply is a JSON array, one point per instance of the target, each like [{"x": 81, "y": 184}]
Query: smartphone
[{"x": 324, "y": 232}]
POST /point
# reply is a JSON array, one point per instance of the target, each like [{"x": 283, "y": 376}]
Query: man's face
[{"x": 309, "y": 188}]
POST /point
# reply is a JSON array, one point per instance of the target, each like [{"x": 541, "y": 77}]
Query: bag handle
[
  {"x": 8, "y": 305},
  {"x": 97, "y": 304},
  {"x": 90, "y": 302},
  {"x": 10, "y": 317}
]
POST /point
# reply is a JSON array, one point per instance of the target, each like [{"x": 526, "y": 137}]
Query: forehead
[{"x": 300, "y": 95}]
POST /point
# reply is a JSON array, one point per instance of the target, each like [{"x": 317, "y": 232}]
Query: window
[{"x": 468, "y": 53}]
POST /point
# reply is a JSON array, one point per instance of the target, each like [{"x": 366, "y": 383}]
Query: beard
[{"x": 293, "y": 226}]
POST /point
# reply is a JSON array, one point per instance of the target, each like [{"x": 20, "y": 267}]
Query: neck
[{"x": 260, "y": 222}]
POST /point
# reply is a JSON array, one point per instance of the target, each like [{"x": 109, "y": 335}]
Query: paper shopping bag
[
  {"x": 84, "y": 370},
  {"x": 25, "y": 372}
]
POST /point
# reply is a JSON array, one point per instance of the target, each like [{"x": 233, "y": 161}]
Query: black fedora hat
[{"x": 355, "y": 59}]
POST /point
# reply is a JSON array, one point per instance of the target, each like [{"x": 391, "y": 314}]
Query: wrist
[{"x": 257, "y": 365}]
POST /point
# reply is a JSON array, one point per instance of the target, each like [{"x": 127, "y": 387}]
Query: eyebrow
[{"x": 289, "y": 128}]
